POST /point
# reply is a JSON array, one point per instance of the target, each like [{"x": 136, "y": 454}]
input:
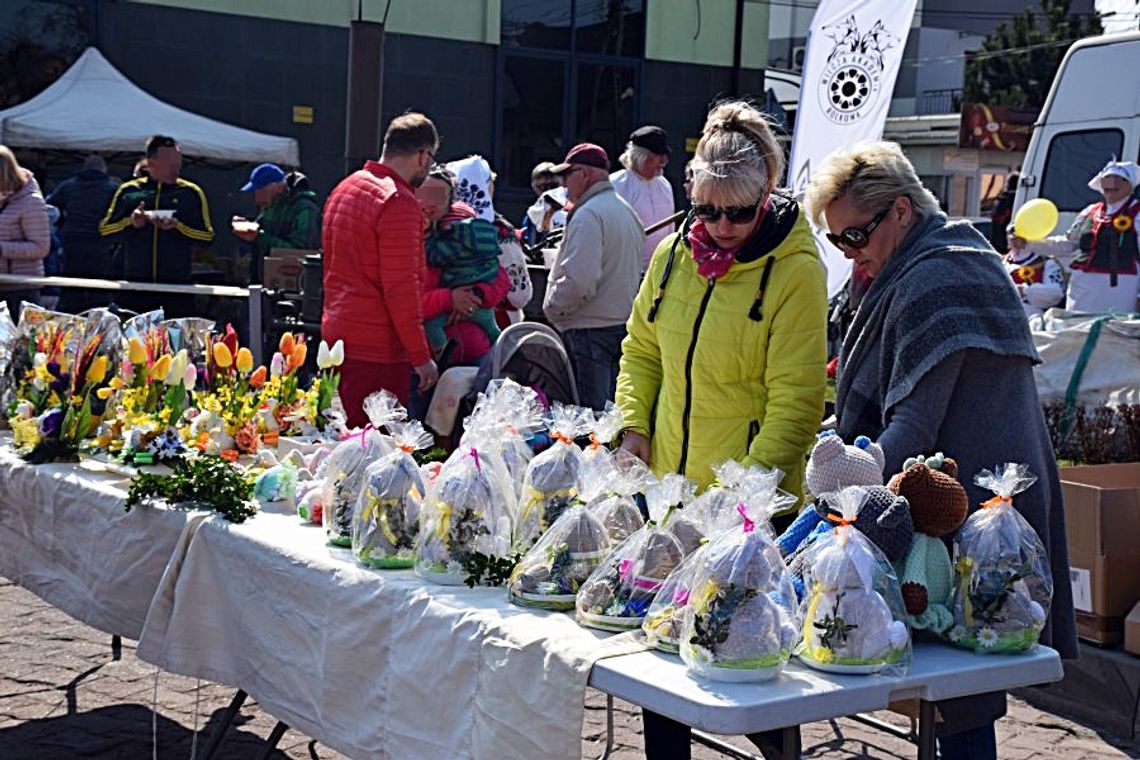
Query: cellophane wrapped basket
[
  {"x": 342, "y": 472},
  {"x": 853, "y": 616},
  {"x": 553, "y": 478},
  {"x": 617, "y": 595},
  {"x": 1002, "y": 583},
  {"x": 386, "y": 520}
]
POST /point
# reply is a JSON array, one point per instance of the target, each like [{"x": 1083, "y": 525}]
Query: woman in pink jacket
[{"x": 25, "y": 234}]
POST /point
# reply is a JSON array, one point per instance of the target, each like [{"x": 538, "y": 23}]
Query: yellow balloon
[{"x": 1036, "y": 219}]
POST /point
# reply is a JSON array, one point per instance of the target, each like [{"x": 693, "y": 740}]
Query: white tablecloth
[
  {"x": 65, "y": 536},
  {"x": 371, "y": 663}
]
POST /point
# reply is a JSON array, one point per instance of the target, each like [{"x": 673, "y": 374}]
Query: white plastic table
[{"x": 660, "y": 682}]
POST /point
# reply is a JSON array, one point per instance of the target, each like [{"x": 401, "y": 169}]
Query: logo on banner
[{"x": 852, "y": 79}]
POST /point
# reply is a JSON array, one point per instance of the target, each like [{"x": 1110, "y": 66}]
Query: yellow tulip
[
  {"x": 161, "y": 367},
  {"x": 222, "y": 356},
  {"x": 244, "y": 360},
  {"x": 136, "y": 352},
  {"x": 105, "y": 393},
  {"x": 98, "y": 370},
  {"x": 116, "y": 382}
]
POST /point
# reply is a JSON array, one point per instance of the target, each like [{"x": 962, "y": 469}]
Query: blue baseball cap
[{"x": 263, "y": 176}]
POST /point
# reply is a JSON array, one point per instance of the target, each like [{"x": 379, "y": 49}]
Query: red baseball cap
[{"x": 584, "y": 154}]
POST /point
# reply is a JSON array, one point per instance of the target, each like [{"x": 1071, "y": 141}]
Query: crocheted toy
[
  {"x": 853, "y": 614},
  {"x": 938, "y": 505},
  {"x": 832, "y": 466},
  {"x": 884, "y": 518}
]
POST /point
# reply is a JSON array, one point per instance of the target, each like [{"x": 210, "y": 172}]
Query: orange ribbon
[
  {"x": 562, "y": 437},
  {"x": 594, "y": 442},
  {"x": 995, "y": 501},
  {"x": 406, "y": 448},
  {"x": 841, "y": 519}
]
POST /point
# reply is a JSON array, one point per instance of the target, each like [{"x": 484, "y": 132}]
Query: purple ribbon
[
  {"x": 475, "y": 456},
  {"x": 361, "y": 435}
]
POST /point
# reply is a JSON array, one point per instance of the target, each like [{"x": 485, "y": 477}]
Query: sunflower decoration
[
  {"x": 1122, "y": 223},
  {"x": 1025, "y": 274}
]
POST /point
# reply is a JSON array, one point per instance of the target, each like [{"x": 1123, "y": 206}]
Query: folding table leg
[
  {"x": 609, "y": 728},
  {"x": 116, "y": 647},
  {"x": 271, "y": 743},
  {"x": 227, "y": 718},
  {"x": 925, "y": 730}
]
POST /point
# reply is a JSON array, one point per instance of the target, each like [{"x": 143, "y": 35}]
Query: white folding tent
[{"x": 93, "y": 107}]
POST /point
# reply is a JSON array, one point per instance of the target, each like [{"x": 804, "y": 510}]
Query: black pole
[
  {"x": 363, "y": 128},
  {"x": 737, "y": 44}
]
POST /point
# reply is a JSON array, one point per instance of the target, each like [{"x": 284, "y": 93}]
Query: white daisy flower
[
  {"x": 454, "y": 568},
  {"x": 987, "y": 637},
  {"x": 957, "y": 633},
  {"x": 615, "y": 609}
]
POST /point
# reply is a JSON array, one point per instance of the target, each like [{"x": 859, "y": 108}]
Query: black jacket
[
  {"x": 152, "y": 254},
  {"x": 83, "y": 201}
]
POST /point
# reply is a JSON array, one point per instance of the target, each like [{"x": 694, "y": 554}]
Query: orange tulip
[
  {"x": 257, "y": 379},
  {"x": 297, "y": 358},
  {"x": 287, "y": 344}
]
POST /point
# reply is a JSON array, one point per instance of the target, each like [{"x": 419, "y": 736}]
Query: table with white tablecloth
[
  {"x": 66, "y": 537},
  {"x": 379, "y": 663}
]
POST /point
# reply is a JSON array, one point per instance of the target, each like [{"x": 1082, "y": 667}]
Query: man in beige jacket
[{"x": 596, "y": 273}]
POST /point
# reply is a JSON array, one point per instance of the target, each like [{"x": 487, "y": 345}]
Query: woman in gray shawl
[{"x": 939, "y": 358}]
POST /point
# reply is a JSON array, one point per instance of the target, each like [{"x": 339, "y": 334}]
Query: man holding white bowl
[{"x": 158, "y": 218}]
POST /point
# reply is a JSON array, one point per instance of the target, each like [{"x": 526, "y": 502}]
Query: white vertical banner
[{"x": 854, "y": 48}]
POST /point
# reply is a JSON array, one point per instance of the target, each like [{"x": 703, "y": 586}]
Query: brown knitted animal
[{"x": 938, "y": 506}]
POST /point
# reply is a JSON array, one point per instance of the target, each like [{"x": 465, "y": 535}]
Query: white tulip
[
  {"x": 337, "y": 353},
  {"x": 324, "y": 361}
]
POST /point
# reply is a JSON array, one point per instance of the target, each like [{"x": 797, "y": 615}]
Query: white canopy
[{"x": 94, "y": 108}]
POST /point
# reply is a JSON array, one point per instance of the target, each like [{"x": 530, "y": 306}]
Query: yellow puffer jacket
[{"x": 707, "y": 382}]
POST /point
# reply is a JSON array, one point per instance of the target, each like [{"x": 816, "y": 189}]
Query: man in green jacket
[{"x": 290, "y": 215}]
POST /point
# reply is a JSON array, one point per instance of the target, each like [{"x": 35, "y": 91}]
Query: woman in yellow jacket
[{"x": 727, "y": 343}]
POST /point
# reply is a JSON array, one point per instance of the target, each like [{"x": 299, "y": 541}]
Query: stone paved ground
[{"x": 62, "y": 696}]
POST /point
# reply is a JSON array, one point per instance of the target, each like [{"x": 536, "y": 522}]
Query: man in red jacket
[{"x": 374, "y": 269}]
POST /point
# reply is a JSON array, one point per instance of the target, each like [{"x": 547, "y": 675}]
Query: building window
[
  {"x": 1073, "y": 157},
  {"x": 610, "y": 27},
  {"x": 532, "y": 108},
  {"x": 569, "y": 72}
]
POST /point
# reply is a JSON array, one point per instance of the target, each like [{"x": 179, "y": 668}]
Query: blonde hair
[
  {"x": 12, "y": 177},
  {"x": 874, "y": 174},
  {"x": 738, "y": 160}
]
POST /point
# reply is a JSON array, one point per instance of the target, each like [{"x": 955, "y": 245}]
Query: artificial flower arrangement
[
  {"x": 149, "y": 397},
  {"x": 228, "y": 404},
  {"x": 57, "y": 369}
]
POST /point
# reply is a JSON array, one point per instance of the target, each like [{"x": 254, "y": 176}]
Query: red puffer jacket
[{"x": 373, "y": 262}]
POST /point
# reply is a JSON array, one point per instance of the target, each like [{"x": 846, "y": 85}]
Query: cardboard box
[
  {"x": 281, "y": 269},
  {"x": 1102, "y": 523},
  {"x": 1132, "y": 630}
]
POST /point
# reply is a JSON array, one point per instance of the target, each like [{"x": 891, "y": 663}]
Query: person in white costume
[
  {"x": 1100, "y": 248},
  {"x": 642, "y": 184}
]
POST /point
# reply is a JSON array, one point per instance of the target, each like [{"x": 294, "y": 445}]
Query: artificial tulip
[
  {"x": 277, "y": 365},
  {"x": 257, "y": 379},
  {"x": 337, "y": 353},
  {"x": 98, "y": 370},
  {"x": 287, "y": 344},
  {"x": 177, "y": 368},
  {"x": 298, "y": 358},
  {"x": 105, "y": 393},
  {"x": 136, "y": 352},
  {"x": 324, "y": 360},
  {"x": 161, "y": 367},
  {"x": 244, "y": 360},
  {"x": 223, "y": 357}
]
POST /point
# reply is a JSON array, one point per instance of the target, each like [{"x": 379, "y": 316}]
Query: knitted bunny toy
[
  {"x": 938, "y": 506},
  {"x": 833, "y": 466}
]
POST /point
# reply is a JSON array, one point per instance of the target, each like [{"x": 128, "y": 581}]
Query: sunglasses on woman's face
[
  {"x": 710, "y": 214},
  {"x": 857, "y": 237}
]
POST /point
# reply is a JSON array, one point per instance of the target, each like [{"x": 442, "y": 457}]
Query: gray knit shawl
[{"x": 943, "y": 291}]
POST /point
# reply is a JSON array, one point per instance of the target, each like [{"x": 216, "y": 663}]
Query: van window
[{"x": 1073, "y": 158}]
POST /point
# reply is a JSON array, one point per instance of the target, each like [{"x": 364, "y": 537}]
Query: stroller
[{"x": 529, "y": 353}]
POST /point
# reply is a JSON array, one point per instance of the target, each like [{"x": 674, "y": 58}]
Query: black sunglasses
[
  {"x": 857, "y": 237},
  {"x": 710, "y": 214}
]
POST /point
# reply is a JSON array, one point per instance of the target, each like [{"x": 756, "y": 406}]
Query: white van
[{"x": 1092, "y": 114}]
